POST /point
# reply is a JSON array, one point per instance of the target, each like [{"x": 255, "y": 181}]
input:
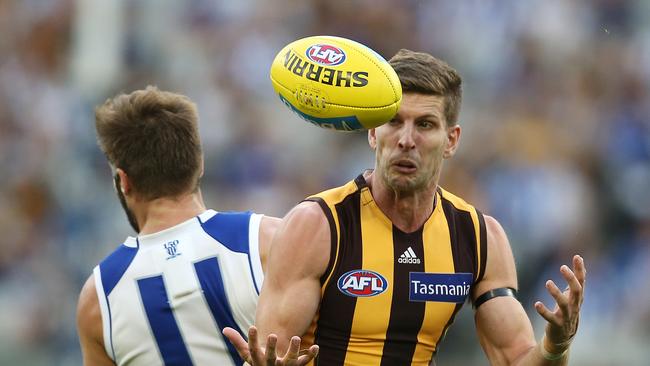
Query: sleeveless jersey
[
  {"x": 165, "y": 297},
  {"x": 388, "y": 296}
]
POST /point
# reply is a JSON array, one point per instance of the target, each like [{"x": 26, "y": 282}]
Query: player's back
[{"x": 165, "y": 297}]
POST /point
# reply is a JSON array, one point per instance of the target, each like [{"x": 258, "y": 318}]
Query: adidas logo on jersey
[{"x": 409, "y": 257}]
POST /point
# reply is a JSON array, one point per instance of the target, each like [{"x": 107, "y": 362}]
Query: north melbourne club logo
[
  {"x": 409, "y": 257},
  {"x": 172, "y": 249}
]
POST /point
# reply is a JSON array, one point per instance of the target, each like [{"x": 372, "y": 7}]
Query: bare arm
[
  {"x": 504, "y": 330},
  {"x": 291, "y": 293},
  {"x": 89, "y": 326}
]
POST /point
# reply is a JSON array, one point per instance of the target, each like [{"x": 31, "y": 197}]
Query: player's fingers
[
  {"x": 546, "y": 313},
  {"x": 291, "y": 357},
  {"x": 239, "y": 342},
  {"x": 254, "y": 346},
  {"x": 252, "y": 337},
  {"x": 575, "y": 289},
  {"x": 308, "y": 355},
  {"x": 271, "y": 343},
  {"x": 292, "y": 352},
  {"x": 559, "y": 297},
  {"x": 580, "y": 269}
]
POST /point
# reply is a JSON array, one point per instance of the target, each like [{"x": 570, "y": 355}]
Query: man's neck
[
  {"x": 162, "y": 213},
  {"x": 408, "y": 212}
]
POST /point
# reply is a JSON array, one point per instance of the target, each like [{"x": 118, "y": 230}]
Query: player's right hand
[
  {"x": 563, "y": 320},
  {"x": 253, "y": 354}
]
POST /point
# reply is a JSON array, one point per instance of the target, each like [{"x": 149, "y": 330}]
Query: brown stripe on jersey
[
  {"x": 463, "y": 237},
  {"x": 333, "y": 236},
  {"x": 405, "y": 316},
  {"x": 463, "y": 247},
  {"x": 336, "y": 309},
  {"x": 483, "y": 244},
  {"x": 360, "y": 181}
]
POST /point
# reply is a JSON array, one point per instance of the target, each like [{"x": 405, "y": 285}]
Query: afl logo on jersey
[
  {"x": 325, "y": 54},
  {"x": 361, "y": 283}
]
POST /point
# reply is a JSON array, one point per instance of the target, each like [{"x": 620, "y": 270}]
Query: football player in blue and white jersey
[{"x": 163, "y": 297}]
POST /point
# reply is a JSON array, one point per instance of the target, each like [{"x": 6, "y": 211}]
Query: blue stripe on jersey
[
  {"x": 162, "y": 322},
  {"x": 209, "y": 275},
  {"x": 231, "y": 230},
  {"x": 113, "y": 267}
]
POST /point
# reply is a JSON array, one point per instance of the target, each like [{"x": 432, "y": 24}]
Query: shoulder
[
  {"x": 500, "y": 269},
  {"x": 113, "y": 266},
  {"x": 306, "y": 220},
  {"x": 236, "y": 229},
  {"x": 456, "y": 206},
  {"x": 269, "y": 225},
  {"x": 303, "y": 238},
  {"x": 308, "y": 211},
  {"x": 455, "y": 200},
  {"x": 495, "y": 232},
  {"x": 89, "y": 318},
  {"x": 337, "y": 194},
  {"x": 90, "y": 326},
  {"x": 497, "y": 240}
]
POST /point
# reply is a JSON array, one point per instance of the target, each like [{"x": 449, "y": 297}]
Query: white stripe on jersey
[
  {"x": 254, "y": 240},
  {"x": 103, "y": 307}
]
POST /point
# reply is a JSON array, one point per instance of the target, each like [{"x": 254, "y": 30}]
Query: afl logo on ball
[
  {"x": 360, "y": 283},
  {"x": 325, "y": 54}
]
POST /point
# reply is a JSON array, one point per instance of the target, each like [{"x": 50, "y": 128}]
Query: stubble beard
[
  {"x": 403, "y": 184},
  {"x": 406, "y": 185},
  {"x": 129, "y": 214}
]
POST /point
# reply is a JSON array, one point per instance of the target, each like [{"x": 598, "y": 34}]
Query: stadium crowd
[{"x": 555, "y": 145}]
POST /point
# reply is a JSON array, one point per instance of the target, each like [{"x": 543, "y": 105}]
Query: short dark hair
[
  {"x": 422, "y": 73},
  {"x": 153, "y": 136}
]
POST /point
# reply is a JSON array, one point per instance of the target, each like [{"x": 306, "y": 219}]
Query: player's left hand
[
  {"x": 563, "y": 320},
  {"x": 255, "y": 355}
]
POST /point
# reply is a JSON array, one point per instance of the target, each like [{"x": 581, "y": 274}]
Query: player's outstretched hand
[
  {"x": 253, "y": 354},
  {"x": 563, "y": 320}
]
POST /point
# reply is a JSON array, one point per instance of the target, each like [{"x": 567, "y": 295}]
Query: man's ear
[
  {"x": 124, "y": 182},
  {"x": 453, "y": 138},
  {"x": 372, "y": 138},
  {"x": 202, "y": 167}
]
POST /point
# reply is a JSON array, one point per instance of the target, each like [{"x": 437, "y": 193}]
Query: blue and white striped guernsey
[{"x": 165, "y": 297}]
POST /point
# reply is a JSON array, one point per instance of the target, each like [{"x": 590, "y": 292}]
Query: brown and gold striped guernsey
[{"x": 364, "y": 321}]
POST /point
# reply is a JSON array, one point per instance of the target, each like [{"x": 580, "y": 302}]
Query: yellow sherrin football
[{"x": 336, "y": 83}]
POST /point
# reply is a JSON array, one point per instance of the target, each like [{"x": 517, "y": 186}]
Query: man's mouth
[{"x": 405, "y": 166}]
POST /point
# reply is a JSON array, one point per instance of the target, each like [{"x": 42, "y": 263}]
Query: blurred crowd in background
[{"x": 555, "y": 144}]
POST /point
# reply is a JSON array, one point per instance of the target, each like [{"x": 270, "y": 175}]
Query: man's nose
[{"x": 406, "y": 140}]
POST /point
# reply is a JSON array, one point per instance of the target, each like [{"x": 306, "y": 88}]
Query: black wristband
[{"x": 497, "y": 292}]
